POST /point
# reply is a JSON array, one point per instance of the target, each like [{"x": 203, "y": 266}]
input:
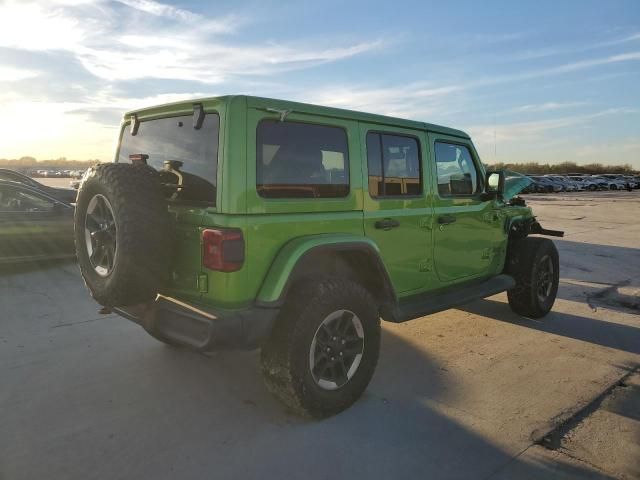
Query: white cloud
[
  {"x": 525, "y": 140},
  {"x": 161, "y": 9},
  {"x": 624, "y": 151},
  {"x": 55, "y": 130},
  {"x": 165, "y": 43},
  {"x": 548, "y": 106},
  {"x": 414, "y": 100},
  {"x": 570, "y": 67},
  {"x": 553, "y": 51},
  {"x": 31, "y": 26},
  {"x": 11, "y": 74},
  {"x": 528, "y": 130},
  {"x": 119, "y": 40}
]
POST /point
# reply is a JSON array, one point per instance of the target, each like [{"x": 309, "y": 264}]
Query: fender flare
[{"x": 283, "y": 269}]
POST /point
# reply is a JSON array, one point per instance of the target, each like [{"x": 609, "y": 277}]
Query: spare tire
[{"x": 122, "y": 233}]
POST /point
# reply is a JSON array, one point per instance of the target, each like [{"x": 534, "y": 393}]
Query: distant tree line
[
  {"x": 26, "y": 164},
  {"x": 563, "y": 168},
  {"x": 30, "y": 163}
]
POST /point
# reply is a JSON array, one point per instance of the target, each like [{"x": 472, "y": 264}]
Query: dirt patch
[
  {"x": 619, "y": 295},
  {"x": 564, "y": 425}
]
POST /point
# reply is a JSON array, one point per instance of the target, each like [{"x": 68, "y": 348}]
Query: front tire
[
  {"x": 324, "y": 347},
  {"x": 534, "y": 263}
]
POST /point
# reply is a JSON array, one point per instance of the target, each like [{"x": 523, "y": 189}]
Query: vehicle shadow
[
  {"x": 616, "y": 267},
  {"x": 598, "y": 332},
  {"x": 93, "y": 396},
  {"x": 139, "y": 409}
]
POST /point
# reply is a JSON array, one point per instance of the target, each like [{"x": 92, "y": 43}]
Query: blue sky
[{"x": 530, "y": 81}]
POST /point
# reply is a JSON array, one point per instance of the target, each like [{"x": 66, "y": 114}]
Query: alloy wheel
[
  {"x": 545, "y": 278},
  {"x": 100, "y": 235},
  {"x": 336, "y": 350}
]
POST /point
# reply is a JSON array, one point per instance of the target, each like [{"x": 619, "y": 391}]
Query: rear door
[
  {"x": 468, "y": 231},
  {"x": 397, "y": 210}
]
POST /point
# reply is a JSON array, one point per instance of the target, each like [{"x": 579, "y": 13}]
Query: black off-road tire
[
  {"x": 528, "y": 260},
  {"x": 285, "y": 358},
  {"x": 143, "y": 233}
]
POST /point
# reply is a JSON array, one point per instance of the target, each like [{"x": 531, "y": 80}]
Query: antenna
[{"x": 495, "y": 143}]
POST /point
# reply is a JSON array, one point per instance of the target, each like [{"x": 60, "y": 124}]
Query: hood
[{"x": 514, "y": 183}]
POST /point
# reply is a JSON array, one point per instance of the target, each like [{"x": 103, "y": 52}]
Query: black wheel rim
[
  {"x": 545, "y": 278},
  {"x": 336, "y": 350},
  {"x": 100, "y": 235}
]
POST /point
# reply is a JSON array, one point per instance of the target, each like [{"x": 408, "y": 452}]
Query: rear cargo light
[{"x": 222, "y": 249}]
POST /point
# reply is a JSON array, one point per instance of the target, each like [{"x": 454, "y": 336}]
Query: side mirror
[{"x": 494, "y": 186}]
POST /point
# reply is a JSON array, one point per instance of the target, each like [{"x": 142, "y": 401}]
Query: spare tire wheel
[{"x": 122, "y": 233}]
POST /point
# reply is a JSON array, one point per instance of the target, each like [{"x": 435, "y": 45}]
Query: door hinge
[{"x": 424, "y": 265}]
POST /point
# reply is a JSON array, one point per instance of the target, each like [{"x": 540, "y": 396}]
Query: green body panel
[
  {"x": 467, "y": 249},
  {"x": 418, "y": 255},
  {"x": 293, "y": 251},
  {"x": 405, "y": 250}
]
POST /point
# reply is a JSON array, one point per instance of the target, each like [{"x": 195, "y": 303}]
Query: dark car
[
  {"x": 33, "y": 224},
  {"x": 67, "y": 195},
  {"x": 542, "y": 184}
]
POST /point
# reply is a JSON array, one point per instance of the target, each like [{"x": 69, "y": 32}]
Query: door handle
[
  {"x": 446, "y": 219},
  {"x": 387, "y": 224}
]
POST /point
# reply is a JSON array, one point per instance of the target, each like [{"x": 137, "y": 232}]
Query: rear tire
[
  {"x": 534, "y": 263},
  {"x": 313, "y": 367},
  {"x": 122, "y": 234}
]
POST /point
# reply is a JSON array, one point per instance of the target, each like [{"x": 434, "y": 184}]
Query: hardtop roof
[{"x": 260, "y": 102}]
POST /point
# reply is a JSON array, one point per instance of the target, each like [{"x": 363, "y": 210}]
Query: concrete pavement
[{"x": 461, "y": 394}]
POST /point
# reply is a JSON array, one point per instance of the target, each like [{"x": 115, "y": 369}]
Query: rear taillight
[{"x": 222, "y": 249}]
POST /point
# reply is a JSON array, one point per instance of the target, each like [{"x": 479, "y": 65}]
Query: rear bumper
[{"x": 202, "y": 328}]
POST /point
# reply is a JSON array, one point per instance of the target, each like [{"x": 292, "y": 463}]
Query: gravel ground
[{"x": 467, "y": 393}]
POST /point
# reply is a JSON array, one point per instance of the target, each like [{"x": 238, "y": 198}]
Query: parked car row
[
  {"x": 574, "y": 182},
  {"x": 57, "y": 173}
]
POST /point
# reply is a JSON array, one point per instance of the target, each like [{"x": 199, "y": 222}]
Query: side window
[
  {"x": 394, "y": 165},
  {"x": 299, "y": 160},
  {"x": 14, "y": 200},
  {"x": 457, "y": 174}
]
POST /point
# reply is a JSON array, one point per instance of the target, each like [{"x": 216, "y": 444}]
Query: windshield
[{"x": 174, "y": 145}]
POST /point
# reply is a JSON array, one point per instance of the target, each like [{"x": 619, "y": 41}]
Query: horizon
[{"x": 526, "y": 85}]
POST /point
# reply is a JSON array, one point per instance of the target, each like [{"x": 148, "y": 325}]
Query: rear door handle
[
  {"x": 446, "y": 219},
  {"x": 387, "y": 224}
]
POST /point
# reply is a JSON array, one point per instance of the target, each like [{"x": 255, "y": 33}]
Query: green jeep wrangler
[{"x": 241, "y": 222}]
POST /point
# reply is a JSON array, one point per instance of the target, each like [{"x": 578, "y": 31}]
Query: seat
[{"x": 298, "y": 166}]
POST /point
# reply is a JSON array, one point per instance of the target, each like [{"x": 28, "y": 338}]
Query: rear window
[
  {"x": 301, "y": 160},
  {"x": 174, "y": 145},
  {"x": 394, "y": 165}
]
